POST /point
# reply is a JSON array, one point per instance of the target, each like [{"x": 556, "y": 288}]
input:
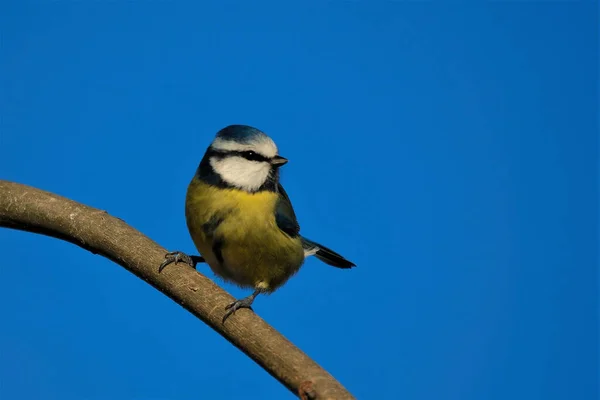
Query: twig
[{"x": 30, "y": 209}]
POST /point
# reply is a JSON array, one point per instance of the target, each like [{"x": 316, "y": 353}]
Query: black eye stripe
[{"x": 250, "y": 155}]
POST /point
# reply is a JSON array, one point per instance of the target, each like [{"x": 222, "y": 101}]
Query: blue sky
[{"x": 449, "y": 150}]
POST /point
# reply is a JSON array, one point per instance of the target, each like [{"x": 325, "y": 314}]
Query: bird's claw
[
  {"x": 174, "y": 257},
  {"x": 236, "y": 305}
]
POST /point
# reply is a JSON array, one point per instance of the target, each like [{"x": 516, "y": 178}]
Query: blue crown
[{"x": 240, "y": 133}]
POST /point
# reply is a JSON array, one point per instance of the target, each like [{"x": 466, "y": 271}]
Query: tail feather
[{"x": 325, "y": 254}]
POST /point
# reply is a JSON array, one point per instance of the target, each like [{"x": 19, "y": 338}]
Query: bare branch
[{"x": 29, "y": 209}]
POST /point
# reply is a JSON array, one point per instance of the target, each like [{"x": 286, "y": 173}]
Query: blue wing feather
[
  {"x": 287, "y": 222},
  {"x": 285, "y": 215}
]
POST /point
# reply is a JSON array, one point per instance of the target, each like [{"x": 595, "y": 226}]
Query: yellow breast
[{"x": 254, "y": 251}]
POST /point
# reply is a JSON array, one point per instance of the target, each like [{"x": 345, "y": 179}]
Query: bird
[{"x": 241, "y": 219}]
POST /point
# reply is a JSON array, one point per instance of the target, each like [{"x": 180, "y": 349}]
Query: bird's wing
[
  {"x": 287, "y": 222},
  {"x": 285, "y": 215}
]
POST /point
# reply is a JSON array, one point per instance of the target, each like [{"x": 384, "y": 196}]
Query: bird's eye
[{"x": 252, "y": 156}]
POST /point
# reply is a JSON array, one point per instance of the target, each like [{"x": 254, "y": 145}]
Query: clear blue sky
[{"x": 450, "y": 151}]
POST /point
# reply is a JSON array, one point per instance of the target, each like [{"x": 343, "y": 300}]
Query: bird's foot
[
  {"x": 174, "y": 257},
  {"x": 246, "y": 302},
  {"x": 236, "y": 305}
]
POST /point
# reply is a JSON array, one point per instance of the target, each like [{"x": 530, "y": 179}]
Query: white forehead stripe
[{"x": 263, "y": 145}]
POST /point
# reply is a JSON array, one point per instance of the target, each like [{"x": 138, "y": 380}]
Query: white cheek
[{"x": 242, "y": 173}]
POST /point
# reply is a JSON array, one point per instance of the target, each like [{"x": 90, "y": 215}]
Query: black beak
[{"x": 278, "y": 161}]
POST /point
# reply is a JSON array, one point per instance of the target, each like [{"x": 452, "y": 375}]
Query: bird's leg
[
  {"x": 175, "y": 257},
  {"x": 246, "y": 302}
]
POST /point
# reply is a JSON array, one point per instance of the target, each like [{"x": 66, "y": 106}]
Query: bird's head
[{"x": 245, "y": 158}]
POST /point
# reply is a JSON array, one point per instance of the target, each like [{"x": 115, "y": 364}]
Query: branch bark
[{"x": 29, "y": 209}]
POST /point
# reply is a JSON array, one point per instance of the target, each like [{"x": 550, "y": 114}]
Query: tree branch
[{"x": 29, "y": 209}]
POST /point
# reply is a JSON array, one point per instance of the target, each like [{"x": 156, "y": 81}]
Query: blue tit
[{"x": 241, "y": 219}]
